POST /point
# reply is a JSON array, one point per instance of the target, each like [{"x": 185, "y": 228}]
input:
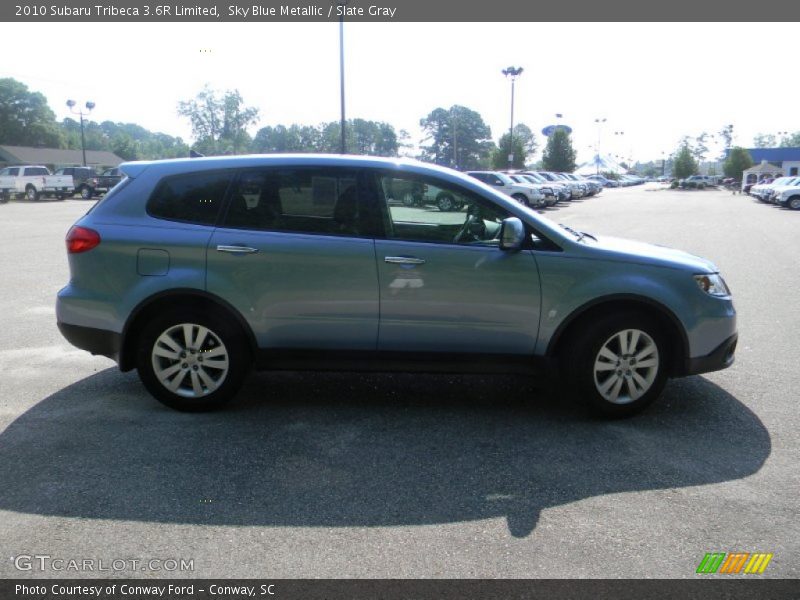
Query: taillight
[{"x": 81, "y": 239}]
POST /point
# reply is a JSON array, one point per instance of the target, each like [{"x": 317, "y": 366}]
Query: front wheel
[
  {"x": 192, "y": 361},
  {"x": 617, "y": 364},
  {"x": 86, "y": 193},
  {"x": 794, "y": 203},
  {"x": 522, "y": 199}
]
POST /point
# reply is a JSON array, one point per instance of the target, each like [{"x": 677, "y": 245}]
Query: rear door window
[
  {"x": 190, "y": 198},
  {"x": 314, "y": 200}
]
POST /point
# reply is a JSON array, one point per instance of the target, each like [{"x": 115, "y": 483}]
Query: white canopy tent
[{"x": 600, "y": 164}]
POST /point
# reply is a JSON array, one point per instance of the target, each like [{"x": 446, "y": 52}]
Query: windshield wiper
[{"x": 578, "y": 234}]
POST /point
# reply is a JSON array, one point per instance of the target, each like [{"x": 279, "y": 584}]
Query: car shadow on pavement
[{"x": 362, "y": 450}]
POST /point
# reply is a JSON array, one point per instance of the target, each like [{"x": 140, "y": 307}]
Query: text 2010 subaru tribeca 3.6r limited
[{"x": 193, "y": 271}]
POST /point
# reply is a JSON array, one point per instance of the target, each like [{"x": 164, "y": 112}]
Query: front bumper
[
  {"x": 719, "y": 358},
  {"x": 96, "y": 341}
]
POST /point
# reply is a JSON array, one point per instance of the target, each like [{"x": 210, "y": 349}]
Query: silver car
[{"x": 194, "y": 271}]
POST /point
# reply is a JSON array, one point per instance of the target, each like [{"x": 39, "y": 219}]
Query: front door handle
[
  {"x": 237, "y": 249},
  {"x": 404, "y": 260}
]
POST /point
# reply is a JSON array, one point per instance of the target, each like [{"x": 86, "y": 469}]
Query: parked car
[
  {"x": 549, "y": 196},
  {"x": 108, "y": 179},
  {"x": 195, "y": 271},
  {"x": 765, "y": 191},
  {"x": 579, "y": 190},
  {"x": 562, "y": 190},
  {"x": 592, "y": 188},
  {"x": 33, "y": 182},
  {"x": 604, "y": 181},
  {"x": 527, "y": 194},
  {"x": 84, "y": 180},
  {"x": 698, "y": 181},
  {"x": 788, "y": 196}
]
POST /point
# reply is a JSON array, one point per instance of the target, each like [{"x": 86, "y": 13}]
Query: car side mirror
[{"x": 512, "y": 234}]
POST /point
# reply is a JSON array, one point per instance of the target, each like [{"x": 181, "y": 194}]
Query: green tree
[
  {"x": 456, "y": 137},
  {"x": 295, "y": 138},
  {"x": 791, "y": 141},
  {"x": 219, "y": 123},
  {"x": 25, "y": 117},
  {"x": 765, "y": 140},
  {"x": 738, "y": 160},
  {"x": 525, "y": 145},
  {"x": 726, "y": 133},
  {"x": 683, "y": 162},
  {"x": 559, "y": 155}
]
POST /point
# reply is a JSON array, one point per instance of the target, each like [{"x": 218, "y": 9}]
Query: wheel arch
[
  {"x": 165, "y": 300},
  {"x": 669, "y": 323}
]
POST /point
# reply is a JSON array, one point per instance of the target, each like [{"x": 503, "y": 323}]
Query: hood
[{"x": 650, "y": 254}]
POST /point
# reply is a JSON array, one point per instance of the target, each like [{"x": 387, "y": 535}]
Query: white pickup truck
[{"x": 33, "y": 182}]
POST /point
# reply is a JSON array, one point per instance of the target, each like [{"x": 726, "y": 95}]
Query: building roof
[
  {"x": 56, "y": 156},
  {"x": 764, "y": 167},
  {"x": 774, "y": 155}
]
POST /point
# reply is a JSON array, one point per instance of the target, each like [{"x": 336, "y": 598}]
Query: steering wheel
[{"x": 473, "y": 229}]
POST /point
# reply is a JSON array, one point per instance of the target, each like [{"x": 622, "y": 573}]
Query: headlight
[{"x": 712, "y": 283}]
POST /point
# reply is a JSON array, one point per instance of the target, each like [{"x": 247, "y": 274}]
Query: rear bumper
[
  {"x": 721, "y": 357},
  {"x": 96, "y": 341}
]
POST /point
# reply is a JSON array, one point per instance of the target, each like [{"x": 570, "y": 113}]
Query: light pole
[
  {"x": 342, "y": 4},
  {"x": 511, "y": 73},
  {"x": 89, "y": 107},
  {"x": 599, "y": 122}
]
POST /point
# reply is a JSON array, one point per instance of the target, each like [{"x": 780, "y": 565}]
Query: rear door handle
[
  {"x": 404, "y": 260},
  {"x": 237, "y": 249}
]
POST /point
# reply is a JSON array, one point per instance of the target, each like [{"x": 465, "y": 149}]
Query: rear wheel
[
  {"x": 617, "y": 364},
  {"x": 86, "y": 192},
  {"x": 192, "y": 361},
  {"x": 445, "y": 202},
  {"x": 31, "y": 194}
]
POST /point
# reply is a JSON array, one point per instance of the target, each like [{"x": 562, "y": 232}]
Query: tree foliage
[
  {"x": 219, "y": 122},
  {"x": 25, "y": 117},
  {"x": 765, "y": 140},
  {"x": 456, "y": 137},
  {"x": 525, "y": 145},
  {"x": 738, "y": 160},
  {"x": 559, "y": 155},
  {"x": 683, "y": 162},
  {"x": 361, "y": 137}
]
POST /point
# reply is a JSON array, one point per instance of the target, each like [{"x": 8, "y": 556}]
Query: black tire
[
  {"x": 31, "y": 194},
  {"x": 582, "y": 353},
  {"x": 522, "y": 199},
  {"x": 445, "y": 202},
  {"x": 793, "y": 203},
  {"x": 86, "y": 192},
  {"x": 223, "y": 340}
]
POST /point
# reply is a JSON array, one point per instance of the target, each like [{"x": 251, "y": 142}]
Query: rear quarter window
[{"x": 190, "y": 198}]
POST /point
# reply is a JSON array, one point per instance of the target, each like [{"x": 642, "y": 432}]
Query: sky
[{"x": 654, "y": 82}]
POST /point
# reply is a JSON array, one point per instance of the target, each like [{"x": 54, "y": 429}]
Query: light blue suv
[{"x": 193, "y": 271}]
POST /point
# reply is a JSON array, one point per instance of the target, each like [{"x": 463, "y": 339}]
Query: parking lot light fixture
[
  {"x": 89, "y": 106},
  {"x": 599, "y": 122},
  {"x": 511, "y": 73}
]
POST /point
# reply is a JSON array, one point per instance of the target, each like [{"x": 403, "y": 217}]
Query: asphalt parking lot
[{"x": 352, "y": 475}]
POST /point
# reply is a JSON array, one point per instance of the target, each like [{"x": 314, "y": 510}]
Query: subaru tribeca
[{"x": 193, "y": 271}]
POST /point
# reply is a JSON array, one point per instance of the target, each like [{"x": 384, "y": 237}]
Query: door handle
[
  {"x": 404, "y": 260},
  {"x": 237, "y": 249}
]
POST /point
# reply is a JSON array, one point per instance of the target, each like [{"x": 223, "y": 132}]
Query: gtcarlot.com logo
[
  {"x": 734, "y": 563},
  {"x": 45, "y": 562}
]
